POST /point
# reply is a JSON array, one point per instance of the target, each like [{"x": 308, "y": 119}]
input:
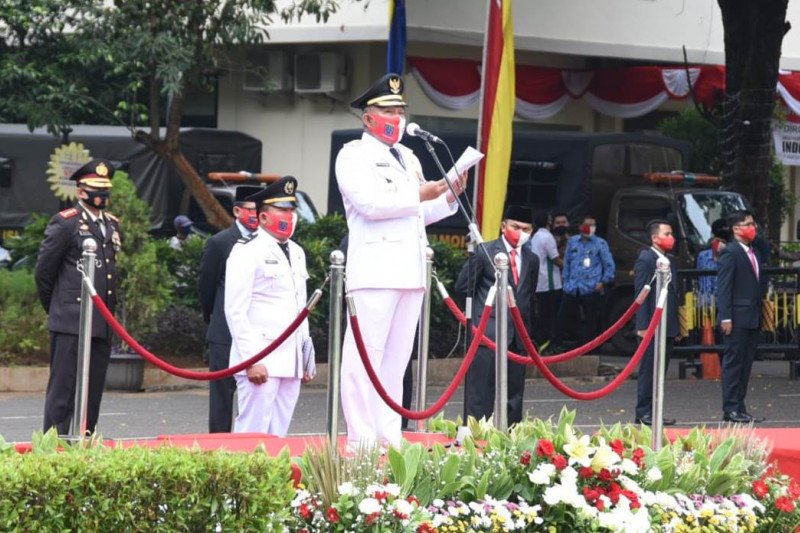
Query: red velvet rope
[
  {"x": 572, "y": 393},
  {"x": 557, "y": 358},
  {"x": 191, "y": 374},
  {"x": 446, "y": 395}
]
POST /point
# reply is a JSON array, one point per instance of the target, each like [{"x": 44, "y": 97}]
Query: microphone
[{"x": 414, "y": 130}]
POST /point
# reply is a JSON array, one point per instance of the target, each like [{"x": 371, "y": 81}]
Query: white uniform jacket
[
  {"x": 263, "y": 294},
  {"x": 386, "y": 220}
]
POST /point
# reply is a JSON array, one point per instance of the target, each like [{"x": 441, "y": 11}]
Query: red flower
[
  {"x": 412, "y": 499},
  {"x": 638, "y": 456},
  {"x": 585, "y": 472},
  {"x": 380, "y": 495},
  {"x": 785, "y": 504},
  {"x": 633, "y": 498},
  {"x": 525, "y": 458},
  {"x": 760, "y": 489},
  {"x": 296, "y": 476},
  {"x": 591, "y": 494},
  {"x": 545, "y": 448},
  {"x": 400, "y": 516},
  {"x": 426, "y": 528},
  {"x": 617, "y": 446},
  {"x": 794, "y": 489},
  {"x": 333, "y": 515},
  {"x": 559, "y": 461},
  {"x": 600, "y": 505},
  {"x": 372, "y": 518},
  {"x": 304, "y": 511},
  {"x": 604, "y": 475}
]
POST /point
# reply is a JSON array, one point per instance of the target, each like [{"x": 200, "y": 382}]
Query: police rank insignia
[
  {"x": 394, "y": 85},
  {"x": 289, "y": 187}
]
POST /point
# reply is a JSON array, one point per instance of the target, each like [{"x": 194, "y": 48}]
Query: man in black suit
[
  {"x": 522, "y": 276},
  {"x": 211, "y": 285},
  {"x": 59, "y": 284},
  {"x": 661, "y": 242},
  {"x": 740, "y": 289}
]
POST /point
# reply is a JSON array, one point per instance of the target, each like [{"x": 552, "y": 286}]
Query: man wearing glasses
[{"x": 740, "y": 288}]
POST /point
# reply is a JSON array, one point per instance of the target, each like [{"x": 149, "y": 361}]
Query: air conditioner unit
[
  {"x": 319, "y": 72},
  {"x": 268, "y": 71}
]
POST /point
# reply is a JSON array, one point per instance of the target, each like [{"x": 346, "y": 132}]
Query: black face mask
[
  {"x": 97, "y": 199},
  {"x": 560, "y": 230}
]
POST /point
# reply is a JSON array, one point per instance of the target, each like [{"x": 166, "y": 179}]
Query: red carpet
[{"x": 785, "y": 443}]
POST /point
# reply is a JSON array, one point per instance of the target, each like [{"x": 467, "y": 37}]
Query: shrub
[
  {"x": 188, "y": 323},
  {"x": 142, "y": 489},
  {"x": 24, "y": 330},
  {"x": 26, "y": 244}
]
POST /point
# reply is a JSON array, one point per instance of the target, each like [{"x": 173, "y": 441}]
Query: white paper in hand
[{"x": 468, "y": 159}]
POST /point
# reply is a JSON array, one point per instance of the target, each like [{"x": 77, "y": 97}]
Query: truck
[
  {"x": 26, "y": 171},
  {"x": 624, "y": 180}
]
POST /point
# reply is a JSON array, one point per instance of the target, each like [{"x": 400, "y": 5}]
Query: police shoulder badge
[
  {"x": 68, "y": 213},
  {"x": 394, "y": 85}
]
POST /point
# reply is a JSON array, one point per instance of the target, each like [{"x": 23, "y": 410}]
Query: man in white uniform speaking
[
  {"x": 388, "y": 203},
  {"x": 265, "y": 290}
]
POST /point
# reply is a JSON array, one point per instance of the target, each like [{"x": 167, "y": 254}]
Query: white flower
[
  {"x": 392, "y": 489},
  {"x": 569, "y": 475},
  {"x": 628, "y": 467},
  {"x": 403, "y": 507},
  {"x": 299, "y": 497},
  {"x": 347, "y": 489},
  {"x": 579, "y": 450},
  {"x": 369, "y": 506},
  {"x": 654, "y": 474},
  {"x": 542, "y": 474},
  {"x": 604, "y": 457},
  {"x": 438, "y": 503}
]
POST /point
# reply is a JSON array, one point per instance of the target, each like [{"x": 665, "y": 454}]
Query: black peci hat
[
  {"x": 243, "y": 192},
  {"x": 279, "y": 193},
  {"x": 96, "y": 173},
  {"x": 519, "y": 213},
  {"x": 386, "y": 92}
]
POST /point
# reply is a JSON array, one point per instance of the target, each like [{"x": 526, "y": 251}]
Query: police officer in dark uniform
[{"x": 59, "y": 284}]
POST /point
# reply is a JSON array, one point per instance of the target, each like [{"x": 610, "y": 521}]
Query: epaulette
[
  {"x": 112, "y": 217},
  {"x": 245, "y": 240},
  {"x": 68, "y": 213}
]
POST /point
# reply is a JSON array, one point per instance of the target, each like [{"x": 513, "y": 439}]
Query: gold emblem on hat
[
  {"x": 289, "y": 187},
  {"x": 101, "y": 170},
  {"x": 394, "y": 85}
]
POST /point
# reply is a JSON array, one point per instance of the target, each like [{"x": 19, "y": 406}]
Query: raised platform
[{"x": 785, "y": 443}]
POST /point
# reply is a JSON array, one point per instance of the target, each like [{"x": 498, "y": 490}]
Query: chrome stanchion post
[
  {"x": 501, "y": 341},
  {"x": 423, "y": 339},
  {"x": 660, "y": 355},
  {"x": 335, "y": 348},
  {"x": 79, "y": 414}
]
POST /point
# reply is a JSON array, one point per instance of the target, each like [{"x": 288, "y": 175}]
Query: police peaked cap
[
  {"x": 386, "y": 92},
  {"x": 243, "y": 192},
  {"x": 96, "y": 173},
  {"x": 519, "y": 213},
  {"x": 279, "y": 193}
]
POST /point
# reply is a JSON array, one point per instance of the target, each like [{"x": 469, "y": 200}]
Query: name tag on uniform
[
  {"x": 271, "y": 261},
  {"x": 587, "y": 262},
  {"x": 381, "y": 164}
]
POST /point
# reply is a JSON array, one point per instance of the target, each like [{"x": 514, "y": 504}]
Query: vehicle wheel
[{"x": 625, "y": 341}]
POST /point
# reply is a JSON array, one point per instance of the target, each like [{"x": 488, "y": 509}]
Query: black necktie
[
  {"x": 396, "y": 153},
  {"x": 101, "y": 226},
  {"x": 285, "y": 247}
]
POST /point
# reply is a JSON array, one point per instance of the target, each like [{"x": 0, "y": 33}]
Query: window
[
  {"x": 636, "y": 211},
  {"x": 533, "y": 183}
]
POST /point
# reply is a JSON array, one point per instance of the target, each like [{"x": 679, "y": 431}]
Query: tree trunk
[{"x": 753, "y": 37}]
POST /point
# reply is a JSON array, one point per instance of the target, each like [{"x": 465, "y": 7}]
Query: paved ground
[{"x": 125, "y": 415}]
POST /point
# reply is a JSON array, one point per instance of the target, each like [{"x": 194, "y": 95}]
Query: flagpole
[{"x": 478, "y": 139}]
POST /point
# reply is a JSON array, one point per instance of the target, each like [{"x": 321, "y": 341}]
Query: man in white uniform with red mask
[
  {"x": 265, "y": 290},
  {"x": 388, "y": 203}
]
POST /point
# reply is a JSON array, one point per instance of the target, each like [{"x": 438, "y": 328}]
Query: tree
[
  {"x": 133, "y": 62},
  {"x": 753, "y": 38}
]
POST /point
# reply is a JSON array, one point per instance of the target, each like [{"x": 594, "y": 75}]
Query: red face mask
[
  {"x": 588, "y": 229},
  {"x": 387, "y": 129},
  {"x": 515, "y": 237},
  {"x": 281, "y": 224},
  {"x": 665, "y": 243},
  {"x": 716, "y": 246},
  {"x": 748, "y": 233},
  {"x": 247, "y": 218}
]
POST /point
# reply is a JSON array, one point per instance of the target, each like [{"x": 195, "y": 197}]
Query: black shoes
[
  {"x": 647, "y": 420},
  {"x": 741, "y": 417}
]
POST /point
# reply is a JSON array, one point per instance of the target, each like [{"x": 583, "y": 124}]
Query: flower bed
[{"x": 549, "y": 477}]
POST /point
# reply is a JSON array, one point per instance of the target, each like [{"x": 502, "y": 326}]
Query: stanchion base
[
  {"x": 695, "y": 367},
  {"x": 794, "y": 370},
  {"x": 463, "y": 433}
]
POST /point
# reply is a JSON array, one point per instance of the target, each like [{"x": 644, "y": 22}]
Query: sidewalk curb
[{"x": 440, "y": 372}]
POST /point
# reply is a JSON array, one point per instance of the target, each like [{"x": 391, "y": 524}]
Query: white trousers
[
  {"x": 388, "y": 320},
  {"x": 266, "y": 408}
]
